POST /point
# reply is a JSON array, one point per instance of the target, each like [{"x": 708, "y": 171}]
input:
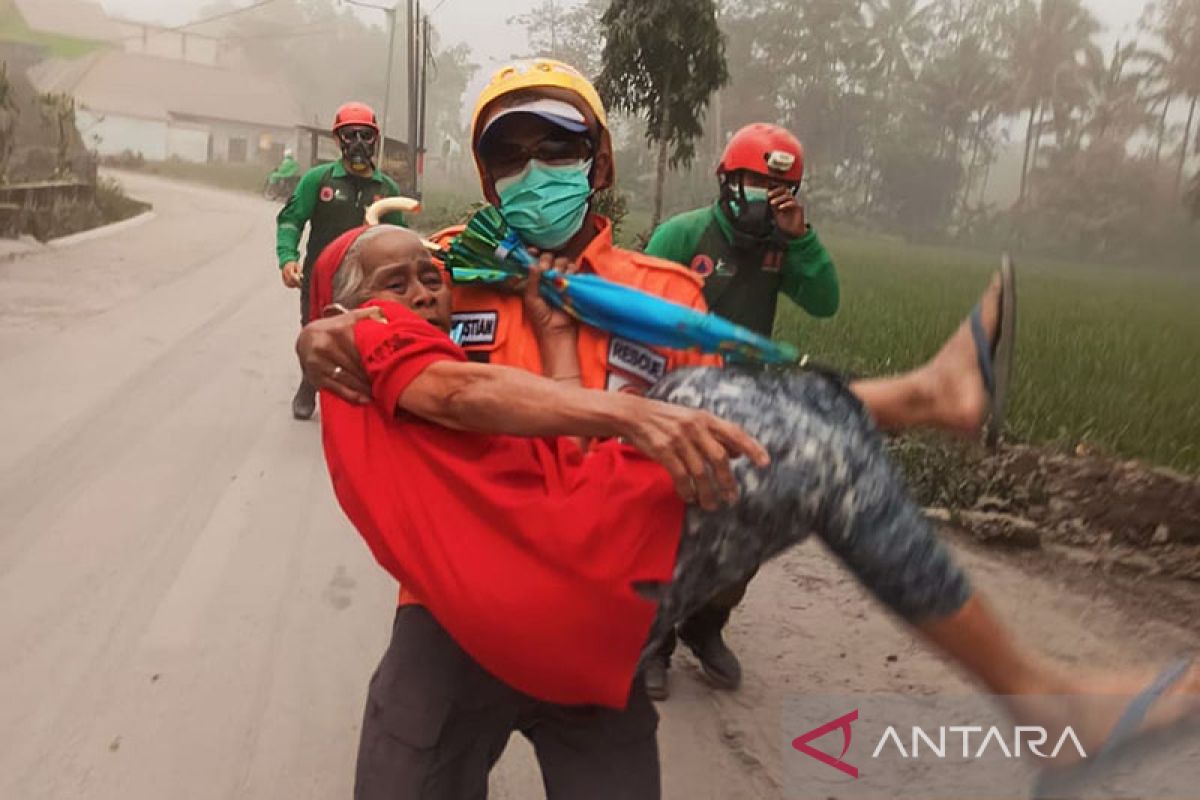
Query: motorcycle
[{"x": 279, "y": 189}]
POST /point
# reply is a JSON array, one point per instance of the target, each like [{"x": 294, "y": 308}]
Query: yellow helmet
[
  {"x": 537, "y": 73},
  {"x": 543, "y": 74}
]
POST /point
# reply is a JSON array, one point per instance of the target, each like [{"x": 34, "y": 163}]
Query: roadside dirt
[{"x": 1082, "y": 516}]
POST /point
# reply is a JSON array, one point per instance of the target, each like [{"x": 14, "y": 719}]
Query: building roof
[
  {"x": 79, "y": 19},
  {"x": 132, "y": 84}
]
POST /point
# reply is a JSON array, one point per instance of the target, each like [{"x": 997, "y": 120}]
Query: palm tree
[
  {"x": 1160, "y": 94},
  {"x": 1192, "y": 199},
  {"x": 1193, "y": 97},
  {"x": 900, "y": 30},
  {"x": 1116, "y": 107},
  {"x": 963, "y": 91},
  {"x": 1175, "y": 67},
  {"x": 964, "y": 83},
  {"x": 805, "y": 66},
  {"x": 1051, "y": 39},
  {"x": 1159, "y": 71},
  {"x": 896, "y": 35}
]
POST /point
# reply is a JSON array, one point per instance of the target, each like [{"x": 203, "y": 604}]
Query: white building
[
  {"x": 168, "y": 108},
  {"x": 162, "y": 92}
]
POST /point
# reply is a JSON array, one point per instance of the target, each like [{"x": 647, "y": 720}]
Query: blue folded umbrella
[{"x": 489, "y": 252}]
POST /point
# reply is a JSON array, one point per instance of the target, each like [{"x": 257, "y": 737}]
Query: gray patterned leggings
[{"x": 829, "y": 475}]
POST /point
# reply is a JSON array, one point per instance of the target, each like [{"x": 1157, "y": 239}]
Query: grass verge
[{"x": 1107, "y": 356}]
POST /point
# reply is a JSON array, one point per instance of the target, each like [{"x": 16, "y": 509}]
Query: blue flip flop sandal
[
  {"x": 1063, "y": 783},
  {"x": 996, "y": 355}
]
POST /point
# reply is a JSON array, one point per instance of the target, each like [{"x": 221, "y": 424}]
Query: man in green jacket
[
  {"x": 331, "y": 199},
  {"x": 287, "y": 167},
  {"x": 750, "y": 246}
]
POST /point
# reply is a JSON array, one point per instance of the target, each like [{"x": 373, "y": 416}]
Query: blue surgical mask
[
  {"x": 754, "y": 194},
  {"x": 753, "y": 218},
  {"x": 546, "y": 204}
]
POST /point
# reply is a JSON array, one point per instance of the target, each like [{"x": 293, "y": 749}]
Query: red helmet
[
  {"x": 355, "y": 114},
  {"x": 764, "y": 149}
]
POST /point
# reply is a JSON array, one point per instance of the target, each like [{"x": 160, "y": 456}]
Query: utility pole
[
  {"x": 425, "y": 56},
  {"x": 387, "y": 86},
  {"x": 411, "y": 35},
  {"x": 390, "y": 11},
  {"x": 418, "y": 42},
  {"x": 718, "y": 121}
]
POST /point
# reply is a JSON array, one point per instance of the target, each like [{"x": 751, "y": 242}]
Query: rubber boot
[
  {"x": 304, "y": 403},
  {"x": 702, "y": 634},
  {"x": 656, "y": 672},
  {"x": 656, "y": 676}
]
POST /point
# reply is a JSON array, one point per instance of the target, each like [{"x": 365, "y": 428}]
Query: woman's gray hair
[{"x": 349, "y": 281}]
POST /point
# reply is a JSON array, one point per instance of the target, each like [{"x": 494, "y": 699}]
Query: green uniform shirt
[
  {"x": 739, "y": 283},
  {"x": 286, "y": 169},
  {"x": 331, "y": 200}
]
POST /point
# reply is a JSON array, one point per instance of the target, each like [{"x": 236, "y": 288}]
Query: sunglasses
[
  {"x": 507, "y": 157},
  {"x": 351, "y": 135}
]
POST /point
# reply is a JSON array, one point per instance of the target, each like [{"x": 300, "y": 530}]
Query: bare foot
[
  {"x": 1091, "y": 706},
  {"x": 954, "y": 382}
]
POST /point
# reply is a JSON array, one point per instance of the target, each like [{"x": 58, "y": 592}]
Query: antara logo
[
  {"x": 842, "y": 723},
  {"x": 938, "y": 742},
  {"x": 1033, "y": 737}
]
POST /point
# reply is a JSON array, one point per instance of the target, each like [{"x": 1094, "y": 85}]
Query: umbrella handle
[
  {"x": 387, "y": 205},
  {"x": 404, "y": 205}
]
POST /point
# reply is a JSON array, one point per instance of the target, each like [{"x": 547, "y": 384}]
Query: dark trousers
[
  {"x": 305, "y": 288},
  {"x": 711, "y": 619},
  {"x": 436, "y": 723}
]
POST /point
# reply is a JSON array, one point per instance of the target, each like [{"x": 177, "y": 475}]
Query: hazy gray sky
[{"x": 482, "y": 23}]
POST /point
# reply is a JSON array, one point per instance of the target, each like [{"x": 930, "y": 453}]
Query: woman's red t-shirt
[{"x": 524, "y": 549}]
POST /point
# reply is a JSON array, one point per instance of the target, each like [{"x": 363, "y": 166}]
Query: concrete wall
[
  {"x": 112, "y": 134},
  {"x": 262, "y": 144},
  {"x": 189, "y": 143},
  {"x": 187, "y": 139}
]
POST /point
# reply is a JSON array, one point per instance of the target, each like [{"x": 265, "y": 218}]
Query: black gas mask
[
  {"x": 358, "y": 145},
  {"x": 749, "y": 212}
]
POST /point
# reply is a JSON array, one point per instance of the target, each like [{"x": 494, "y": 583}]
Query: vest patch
[
  {"x": 702, "y": 265},
  {"x": 636, "y": 359},
  {"x": 326, "y": 194},
  {"x": 616, "y": 382},
  {"x": 478, "y": 327}
]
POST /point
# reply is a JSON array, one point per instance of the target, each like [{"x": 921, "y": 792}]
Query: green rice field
[{"x": 1107, "y": 356}]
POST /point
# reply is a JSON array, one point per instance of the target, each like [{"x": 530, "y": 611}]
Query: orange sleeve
[
  {"x": 694, "y": 358},
  {"x": 442, "y": 239}
]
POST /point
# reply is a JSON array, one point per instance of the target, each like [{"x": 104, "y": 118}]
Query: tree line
[
  {"x": 327, "y": 52},
  {"x": 914, "y": 112}
]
